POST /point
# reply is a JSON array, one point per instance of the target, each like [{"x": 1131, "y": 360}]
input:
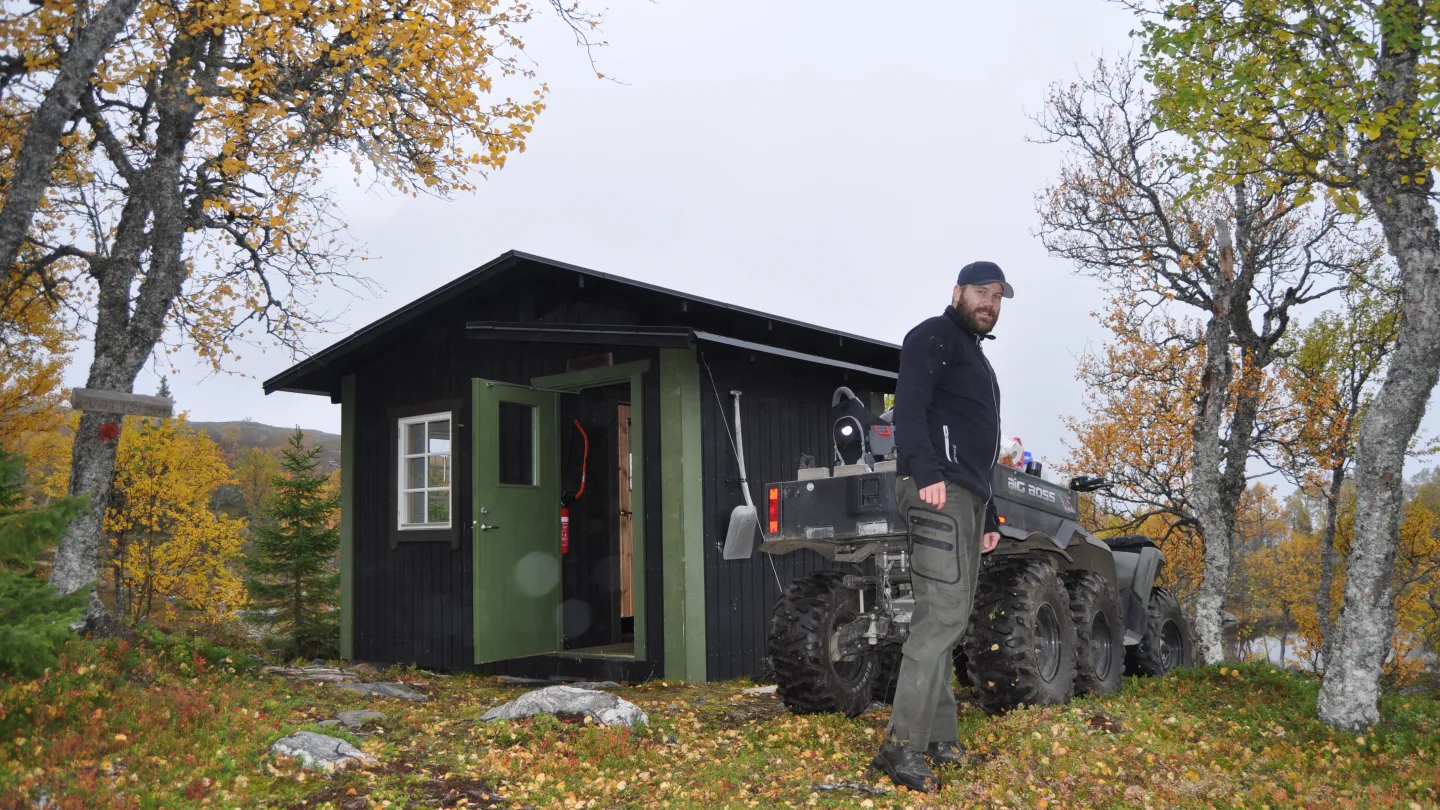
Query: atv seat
[{"x": 1130, "y": 542}]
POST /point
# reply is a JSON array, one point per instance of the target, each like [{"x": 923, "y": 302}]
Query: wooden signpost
[{"x": 90, "y": 399}]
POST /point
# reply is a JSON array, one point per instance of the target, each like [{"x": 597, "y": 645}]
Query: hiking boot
[
  {"x": 947, "y": 753},
  {"x": 905, "y": 767}
]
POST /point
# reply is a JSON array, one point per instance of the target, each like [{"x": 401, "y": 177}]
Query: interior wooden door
[{"x": 627, "y": 546}]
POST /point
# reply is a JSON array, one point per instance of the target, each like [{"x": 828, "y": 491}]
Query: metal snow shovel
[{"x": 744, "y": 520}]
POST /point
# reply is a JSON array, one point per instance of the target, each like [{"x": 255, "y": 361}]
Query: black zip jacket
[{"x": 947, "y": 409}]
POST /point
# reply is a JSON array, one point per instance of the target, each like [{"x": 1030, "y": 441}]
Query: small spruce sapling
[
  {"x": 291, "y": 581},
  {"x": 34, "y": 618}
]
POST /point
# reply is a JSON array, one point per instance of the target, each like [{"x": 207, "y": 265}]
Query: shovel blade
[{"x": 740, "y": 537}]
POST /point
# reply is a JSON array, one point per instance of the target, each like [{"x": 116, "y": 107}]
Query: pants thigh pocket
[{"x": 934, "y": 545}]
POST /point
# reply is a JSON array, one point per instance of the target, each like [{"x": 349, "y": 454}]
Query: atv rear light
[{"x": 774, "y": 510}]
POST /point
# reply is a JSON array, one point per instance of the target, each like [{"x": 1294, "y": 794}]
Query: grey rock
[
  {"x": 762, "y": 690},
  {"x": 359, "y": 717},
  {"x": 602, "y": 707},
  {"x": 321, "y": 674},
  {"x": 517, "y": 681},
  {"x": 328, "y": 723},
  {"x": 319, "y": 752},
  {"x": 855, "y": 786},
  {"x": 595, "y": 685},
  {"x": 395, "y": 690}
]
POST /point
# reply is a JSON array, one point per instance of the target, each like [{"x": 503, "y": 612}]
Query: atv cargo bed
[{"x": 840, "y": 513}]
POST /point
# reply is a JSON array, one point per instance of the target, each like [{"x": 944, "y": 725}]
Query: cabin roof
[{"x": 687, "y": 317}]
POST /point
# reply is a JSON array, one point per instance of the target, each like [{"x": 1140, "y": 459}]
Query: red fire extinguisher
[{"x": 566, "y": 499}]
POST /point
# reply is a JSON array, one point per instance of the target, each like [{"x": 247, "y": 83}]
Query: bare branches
[
  {"x": 1127, "y": 211},
  {"x": 582, "y": 24}
]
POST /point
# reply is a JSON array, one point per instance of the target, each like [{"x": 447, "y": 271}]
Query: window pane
[
  {"x": 440, "y": 507},
  {"x": 415, "y": 473},
  {"x": 517, "y": 443},
  {"x": 440, "y": 436},
  {"x": 415, "y": 438},
  {"x": 414, "y": 507},
  {"x": 439, "y": 471}
]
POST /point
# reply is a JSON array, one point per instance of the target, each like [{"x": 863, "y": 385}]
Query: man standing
[{"x": 947, "y": 424}]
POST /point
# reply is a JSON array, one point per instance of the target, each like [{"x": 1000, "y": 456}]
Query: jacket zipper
[
  {"x": 995, "y": 401},
  {"x": 949, "y": 456}
]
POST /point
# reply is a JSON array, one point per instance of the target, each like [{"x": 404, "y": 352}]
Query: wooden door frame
[
  {"x": 625, "y": 489},
  {"x": 619, "y": 374}
]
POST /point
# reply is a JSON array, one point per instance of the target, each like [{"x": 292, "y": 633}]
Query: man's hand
[
  {"x": 989, "y": 542},
  {"x": 934, "y": 495}
]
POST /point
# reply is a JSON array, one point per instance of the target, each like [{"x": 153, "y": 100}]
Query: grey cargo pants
[{"x": 944, "y": 562}]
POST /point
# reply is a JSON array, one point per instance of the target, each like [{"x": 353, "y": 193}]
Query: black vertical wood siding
[
  {"x": 785, "y": 407},
  {"x": 413, "y": 602}
]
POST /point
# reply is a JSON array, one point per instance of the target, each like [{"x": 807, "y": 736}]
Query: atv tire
[
  {"x": 802, "y": 629},
  {"x": 1166, "y": 643},
  {"x": 887, "y": 673},
  {"x": 1021, "y": 642},
  {"x": 1099, "y": 633}
]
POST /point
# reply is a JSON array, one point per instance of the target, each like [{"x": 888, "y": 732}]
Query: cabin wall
[
  {"x": 785, "y": 407},
  {"x": 413, "y": 602}
]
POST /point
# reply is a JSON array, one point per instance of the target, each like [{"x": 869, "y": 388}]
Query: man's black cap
[{"x": 981, "y": 273}]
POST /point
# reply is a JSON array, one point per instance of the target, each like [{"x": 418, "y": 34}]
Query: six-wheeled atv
[{"x": 1057, "y": 611}]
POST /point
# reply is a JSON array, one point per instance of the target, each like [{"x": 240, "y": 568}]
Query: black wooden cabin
[{"x": 467, "y": 418}]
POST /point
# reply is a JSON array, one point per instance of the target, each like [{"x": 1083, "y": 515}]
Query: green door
[{"x": 516, "y": 522}]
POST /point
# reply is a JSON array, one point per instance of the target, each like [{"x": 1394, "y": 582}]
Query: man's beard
[{"x": 972, "y": 323}]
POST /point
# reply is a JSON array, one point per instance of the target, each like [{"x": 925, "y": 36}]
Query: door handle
[{"x": 485, "y": 527}]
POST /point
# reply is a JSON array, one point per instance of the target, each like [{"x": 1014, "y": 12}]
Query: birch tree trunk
[
  {"x": 92, "y": 460},
  {"x": 1350, "y": 690},
  {"x": 36, "y": 158},
  {"x": 1327, "y": 565},
  {"x": 1217, "y": 522},
  {"x": 129, "y": 322},
  {"x": 1208, "y": 455}
]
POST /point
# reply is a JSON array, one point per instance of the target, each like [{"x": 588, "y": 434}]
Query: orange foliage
[
  {"x": 1280, "y": 583},
  {"x": 1137, "y": 432}
]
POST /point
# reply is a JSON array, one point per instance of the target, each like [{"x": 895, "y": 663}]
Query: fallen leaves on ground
[{"x": 120, "y": 725}]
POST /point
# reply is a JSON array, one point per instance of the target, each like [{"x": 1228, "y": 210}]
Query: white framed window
[{"x": 424, "y": 444}]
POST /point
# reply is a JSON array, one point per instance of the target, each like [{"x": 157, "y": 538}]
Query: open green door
[{"x": 516, "y": 522}]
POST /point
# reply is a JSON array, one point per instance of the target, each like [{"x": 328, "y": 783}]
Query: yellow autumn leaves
[
  {"x": 425, "y": 96},
  {"x": 34, "y": 348},
  {"x": 168, "y": 548}
]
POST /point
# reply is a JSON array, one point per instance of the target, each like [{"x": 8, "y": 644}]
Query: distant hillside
[{"x": 238, "y": 438}]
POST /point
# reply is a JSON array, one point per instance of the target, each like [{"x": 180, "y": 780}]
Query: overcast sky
[{"x": 835, "y": 163}]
